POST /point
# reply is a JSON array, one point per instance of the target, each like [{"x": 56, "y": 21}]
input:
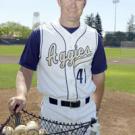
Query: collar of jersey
[
  {"x": 66, "y": 34},
  {"x": 71, "y": 30}
]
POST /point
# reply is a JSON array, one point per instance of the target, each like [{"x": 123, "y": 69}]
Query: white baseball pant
[{"x": 59, "y": 113}]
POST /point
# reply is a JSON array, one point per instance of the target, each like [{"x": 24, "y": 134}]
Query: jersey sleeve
[
  {"x": 30, "y": 55},
  {"x": 99, "y": 63}
]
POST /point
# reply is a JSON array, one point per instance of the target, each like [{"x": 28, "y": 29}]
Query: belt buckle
[{"x": 70, "y": 104}]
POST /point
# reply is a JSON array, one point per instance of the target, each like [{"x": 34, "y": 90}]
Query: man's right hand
[{"x": 16, "y": 104}]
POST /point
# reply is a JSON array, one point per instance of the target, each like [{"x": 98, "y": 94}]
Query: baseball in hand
[
  {"x": 42, "y": 132},
  {"x": 7, "y": 130},
  {"x": 20, "y": 130},
  {"x": 32, "y": 128}
]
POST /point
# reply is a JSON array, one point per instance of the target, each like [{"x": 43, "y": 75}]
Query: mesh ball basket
[{"x": 51, "y": 127}]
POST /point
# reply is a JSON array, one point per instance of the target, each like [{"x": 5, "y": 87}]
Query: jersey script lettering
[{"x": 72, "y": 57}]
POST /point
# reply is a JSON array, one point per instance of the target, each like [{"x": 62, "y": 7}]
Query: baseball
[
  {"x": 20, "y": 130},
  {"x": 32, "y": 128},
  {"x": 8, "y": 130},
  {"x": 42, "y": 132}
]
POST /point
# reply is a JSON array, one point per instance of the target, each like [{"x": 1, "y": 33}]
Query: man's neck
[{"x": 69, "y": 24}]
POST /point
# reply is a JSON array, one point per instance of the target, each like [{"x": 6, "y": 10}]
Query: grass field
[
  {"x": 121, "y": 78},
  {"x": 118, "y": 77},
  {"x": 14, "y": 50},
  {"x": 120, "y": 53},
  {"x": 8, "y": 76}
]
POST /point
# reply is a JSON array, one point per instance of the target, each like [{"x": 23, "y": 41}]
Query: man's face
[{"x": 71, "y": 9}]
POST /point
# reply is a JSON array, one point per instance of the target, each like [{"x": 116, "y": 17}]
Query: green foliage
[
  {"x": 94, "y": 22},
  {"x": 90, "y": 20},
  {"x": 131, "y": 24},
  {"x": 98, "y": 24},
  {"x": 12, "y": 29},
  {"x": 131, "y": 28},
  {"x": 130, "y": 36},
  {"x": 114, "y": 39}
]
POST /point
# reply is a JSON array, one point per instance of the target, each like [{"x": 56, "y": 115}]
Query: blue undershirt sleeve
[
  {"x": 99, "y": 63},
  {"x": 30, "y": 55}
]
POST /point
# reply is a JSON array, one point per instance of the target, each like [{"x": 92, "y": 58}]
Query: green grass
[
  {"x": 14, "y": 50},
  {"x": 8, "y": 76},
  {"x": 118, "y": 77},
  {"x": 120, "y": 53},
  {"x": 121, "y": 78}
]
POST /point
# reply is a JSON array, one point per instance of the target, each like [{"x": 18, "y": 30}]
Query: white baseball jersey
[
  {"x": 65, "y": 62},
  {"x": 64, "y": 68}
]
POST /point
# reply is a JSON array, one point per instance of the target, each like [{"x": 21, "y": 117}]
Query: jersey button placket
[{"x": 70, "y": 71}]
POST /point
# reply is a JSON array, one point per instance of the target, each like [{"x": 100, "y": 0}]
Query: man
[{"x": 70, "y": 63}]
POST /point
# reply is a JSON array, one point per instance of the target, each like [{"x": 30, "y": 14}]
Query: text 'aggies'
[{"x": 72, "y": 57}]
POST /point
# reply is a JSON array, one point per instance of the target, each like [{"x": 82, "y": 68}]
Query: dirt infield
[
  {"x": 9, "y": 59},
  {"x": 121, "y": 61},
  {"x": 117, "y": 115}
]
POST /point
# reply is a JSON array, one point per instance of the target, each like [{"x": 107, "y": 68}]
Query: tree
[
  {"x": 0, "y": 32},
  {"x": 131, "y": 28},
  {"x": 131, "y": 25},
  {"x": 98, "y": 24},
  {"x": 12, "y": 29},
  {"x": 94, "y": 22},
  {"x": 114, "y": 39},
  {"x": 90, "y": 20}
]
